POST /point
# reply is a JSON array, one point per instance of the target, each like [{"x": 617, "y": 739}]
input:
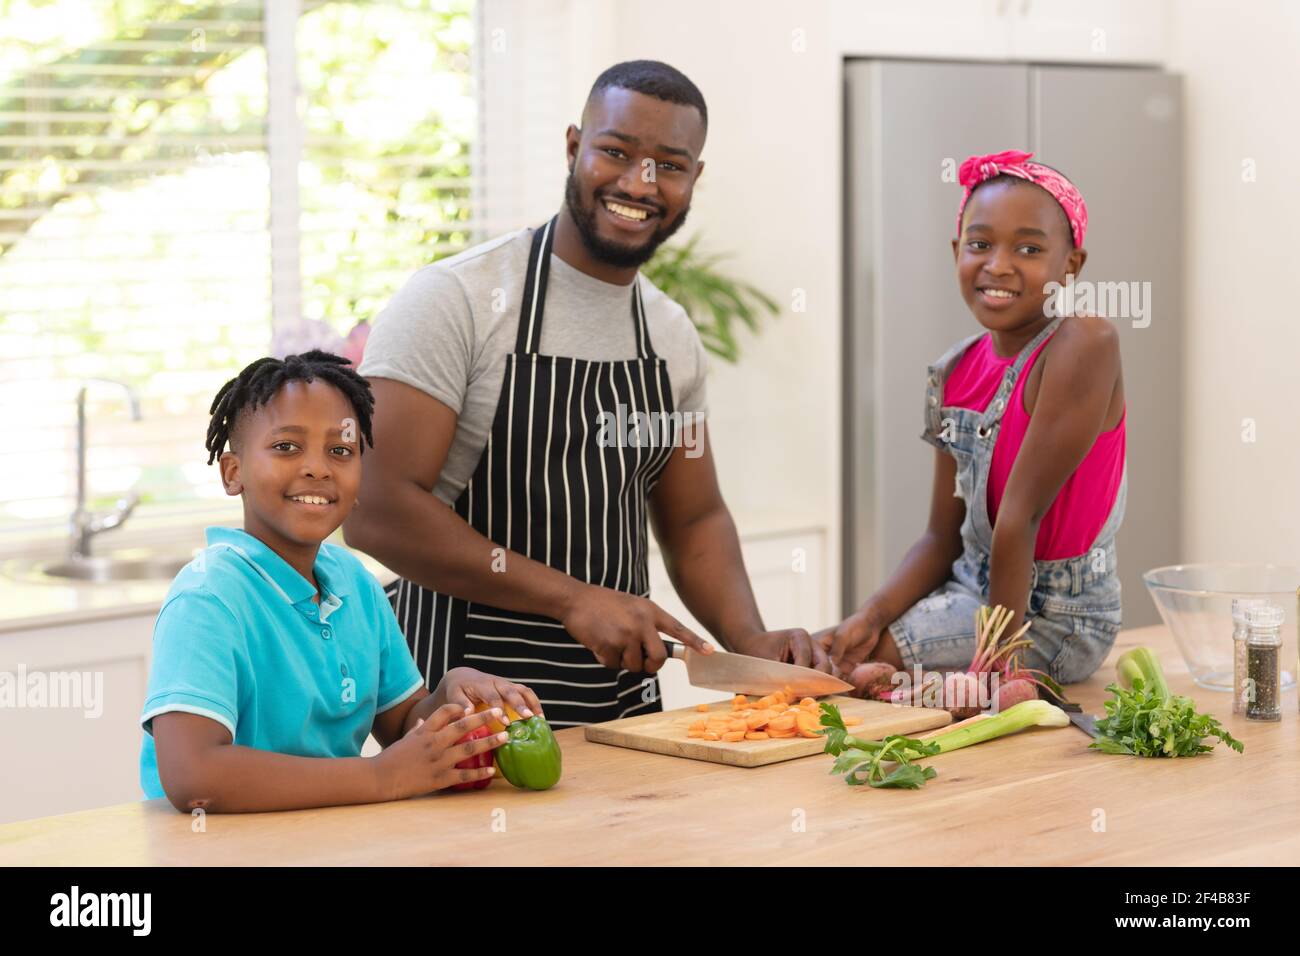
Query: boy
[{"x": 275, "y": 654}]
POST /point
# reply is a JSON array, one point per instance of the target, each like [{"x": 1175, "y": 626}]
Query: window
[{"x": 171, "y": 210}]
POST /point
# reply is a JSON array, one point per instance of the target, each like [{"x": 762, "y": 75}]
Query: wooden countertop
[{"x": 1040, "y": 797}]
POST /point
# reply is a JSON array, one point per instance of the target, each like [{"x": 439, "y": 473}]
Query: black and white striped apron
[{"x": 547, "y": 488}]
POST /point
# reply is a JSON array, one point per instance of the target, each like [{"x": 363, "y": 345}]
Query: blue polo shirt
[{"x": 240, "y": 641}]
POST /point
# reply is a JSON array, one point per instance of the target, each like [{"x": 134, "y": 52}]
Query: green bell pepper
[{"x": 530, "y": 759}]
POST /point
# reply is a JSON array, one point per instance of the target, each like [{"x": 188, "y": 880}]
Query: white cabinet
[
  {"x": 1098, "y": 31},
  {"x": 956, "y": 29},
  {"x": 80, "y": 746},
  {"x": 1063, "y": 31}
]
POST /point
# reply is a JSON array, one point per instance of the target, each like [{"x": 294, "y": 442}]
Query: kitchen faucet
[{"x": 86, "y": 524}]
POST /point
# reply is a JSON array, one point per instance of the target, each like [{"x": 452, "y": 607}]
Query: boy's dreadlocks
[{"x": 259, "y": 382}]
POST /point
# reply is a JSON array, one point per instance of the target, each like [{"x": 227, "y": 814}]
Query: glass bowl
[{"x": 1195, "y": 602}]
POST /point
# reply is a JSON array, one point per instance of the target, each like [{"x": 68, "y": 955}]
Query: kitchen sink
[{"x": 133, "y": 565}]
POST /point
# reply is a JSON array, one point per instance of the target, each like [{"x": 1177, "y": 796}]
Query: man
[{"x": 496, "y": 373}]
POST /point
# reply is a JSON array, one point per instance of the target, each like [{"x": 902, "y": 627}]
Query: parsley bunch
[
  {"x": 1143, "y": 722},
  {"x": 865, "y": 761}
]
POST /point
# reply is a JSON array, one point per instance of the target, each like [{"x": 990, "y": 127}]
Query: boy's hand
[
  {"x": 425, "y": 759},
  {"x": 467, "y": 688}
]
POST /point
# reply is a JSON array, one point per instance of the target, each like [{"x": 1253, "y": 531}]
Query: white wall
[{"x": 1241, "y": 62}]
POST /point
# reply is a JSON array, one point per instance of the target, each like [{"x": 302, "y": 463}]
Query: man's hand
[
  {"x": 793, "y": 645},
  {"x": 623, "y": 630},
  {"x": 468, "y": 688}
]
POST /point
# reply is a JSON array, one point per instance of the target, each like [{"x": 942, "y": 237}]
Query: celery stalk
[
  {"x": 1027, "y": 713},
  {"x": 1142, "y": 662},
  {"x": 1144, "y": 719},
  {"x": 864, "y": 761}
]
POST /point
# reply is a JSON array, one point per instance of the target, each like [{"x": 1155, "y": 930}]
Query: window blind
[{"x": 136, "y": 189}]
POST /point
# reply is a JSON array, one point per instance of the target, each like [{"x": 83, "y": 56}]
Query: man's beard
[{"x": 613, "y": 253}]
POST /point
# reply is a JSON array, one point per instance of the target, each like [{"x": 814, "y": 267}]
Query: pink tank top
[{"x": 1080, "y": 509}]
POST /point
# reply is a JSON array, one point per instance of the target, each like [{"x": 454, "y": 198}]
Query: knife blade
[
  {"x": 1085, "y": 722},
  {"x": 742, "y": 674}
]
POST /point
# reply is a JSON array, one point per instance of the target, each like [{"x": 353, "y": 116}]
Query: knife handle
[{"x": 675, "y": 649}]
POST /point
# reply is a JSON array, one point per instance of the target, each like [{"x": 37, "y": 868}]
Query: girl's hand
[
  {"x": 854, "y": 639},
  {"x": 425, "y": 759},
  {"x": 468, "y": 688}
]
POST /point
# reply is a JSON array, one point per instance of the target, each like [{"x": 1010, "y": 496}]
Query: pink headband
[{"x": 1012, "y": 163}]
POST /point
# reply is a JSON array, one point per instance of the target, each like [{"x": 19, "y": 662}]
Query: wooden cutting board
[{"x": 665, "y": 733}]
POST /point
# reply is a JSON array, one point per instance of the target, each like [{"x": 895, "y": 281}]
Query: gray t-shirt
[{"x": 448, "y": 331}]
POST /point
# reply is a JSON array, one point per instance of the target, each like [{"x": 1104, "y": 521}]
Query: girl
[
  {"x": 1027, "y": 420},
  {"x": 276, "y": 653}
]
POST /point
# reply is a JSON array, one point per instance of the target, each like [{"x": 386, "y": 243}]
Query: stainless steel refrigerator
[{"x": 1117, "y": 133}]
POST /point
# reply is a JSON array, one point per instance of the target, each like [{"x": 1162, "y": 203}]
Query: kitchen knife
[
  {"x": 1085, "y": 722},
  {"x": 742, "y": 674}
]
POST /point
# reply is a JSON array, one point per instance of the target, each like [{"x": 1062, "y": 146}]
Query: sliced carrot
[
  {"x": 774, "y": 717},
  {"x": 807, "y": 722},
  {"x": 808, "y": 725}
]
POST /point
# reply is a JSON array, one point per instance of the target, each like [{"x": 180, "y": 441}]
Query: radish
[
  {"x": 995, "y": 654},
  {"x": 1012, "y": 692},
  {"x": 912, "y": 696},
  {"x": 961, "y": 694},
  {"x": 868, "y": 677}
]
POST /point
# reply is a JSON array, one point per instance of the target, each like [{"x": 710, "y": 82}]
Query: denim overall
[{"x": 1074, "y": 603}]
